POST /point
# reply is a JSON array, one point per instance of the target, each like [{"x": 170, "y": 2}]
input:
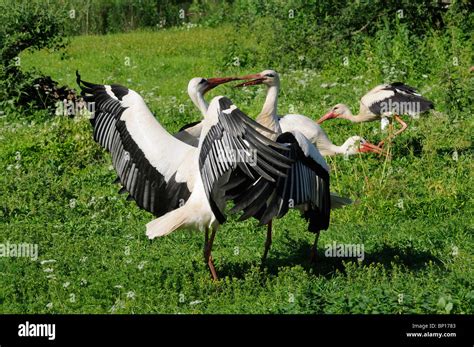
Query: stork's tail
[
  {"x": 339, "y": 201},
  {"x": 166, "y": 224}
]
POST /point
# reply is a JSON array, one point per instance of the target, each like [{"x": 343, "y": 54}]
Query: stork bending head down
[
  {"x": 295, "y": 122},
  {"x": 306, "y": 144},
  {"x": 385, "y": 100}
]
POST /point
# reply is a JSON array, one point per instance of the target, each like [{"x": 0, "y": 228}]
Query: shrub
[
  {"x": 26, "y": 25},
  {"x": 112, "y": 16},
  {"x": 310, "y": 34}
]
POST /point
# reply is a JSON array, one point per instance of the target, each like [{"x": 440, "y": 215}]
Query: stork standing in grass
[
  {"x": 385, "y": 100},
  {"x": 305, "y": 130},
  {"x": 317, "y": 136},
  {"x": 190, "y": 133},
  {"x": 184, "y": 186},
  {"x": 188, "y": 187}
]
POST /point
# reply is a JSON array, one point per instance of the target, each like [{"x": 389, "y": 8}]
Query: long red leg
[
  {"x": 268, "y": 241},
  {"x": 208, "y": 242},
  {"x": 403, "y": 128},
  {"x": 402, "y": 123}
]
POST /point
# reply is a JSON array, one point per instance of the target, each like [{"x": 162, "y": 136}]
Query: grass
[{"x": 413, "y": 213}]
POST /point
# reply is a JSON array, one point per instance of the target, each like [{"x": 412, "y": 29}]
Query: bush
[
  {"x": 310, "y": 34},
  {"x": 112, "y": 16},
  {"x": 26, "y": 25}
]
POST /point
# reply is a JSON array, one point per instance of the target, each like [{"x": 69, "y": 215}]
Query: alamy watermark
[
  {"x": 229, "y": 155},
  {"x": 340, "y": 250},
  {"x": 28, "y": 329},
  {"x": 71, "y": 108},
  {"x": 400, "y": 107},
  {"x": 19, "y": 250}
]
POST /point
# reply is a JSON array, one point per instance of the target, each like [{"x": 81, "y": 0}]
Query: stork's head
[
  {"x": 203, "y": 85},
  {"x": 199, "y": 86},
  {"x": 357, "y": 144},
  {"x": 337, "y": 111},
  {"x": 267, "y": 77}
]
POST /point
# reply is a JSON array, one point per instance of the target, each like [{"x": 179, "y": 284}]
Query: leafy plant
[{"x": 26, "y": 25}]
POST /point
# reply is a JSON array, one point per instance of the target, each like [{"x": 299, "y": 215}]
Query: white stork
[
  {"x": 316, "y": 134},
  {"x": 188, "y": 187},
  {"x": 182, "y": 185},
  {"x": 190, "y": 133},
  {"x": 384, "y": 101},
  {"x": 308, "y": 127},
  {"x": 307, "y": 133},
  {"x": 197, "y": 88}
]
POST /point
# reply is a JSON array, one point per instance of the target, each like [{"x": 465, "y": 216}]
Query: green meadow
[{"x": 413, "y": 212}]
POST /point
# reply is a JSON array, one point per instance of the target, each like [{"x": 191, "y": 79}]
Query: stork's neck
[
  {"x": 200, "y": 102},
  {"x": 326, "y": 147},
  {"x": 330, "y": 150},
  {"x": 363, "y": 116},
  {"x": 268, "y": 116}
]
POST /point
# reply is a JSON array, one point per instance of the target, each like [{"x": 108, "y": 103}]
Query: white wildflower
[{"x": 72, "y": 203}]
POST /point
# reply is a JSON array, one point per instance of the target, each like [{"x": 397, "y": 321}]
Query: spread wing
[
  {"x": 234, "y": 156},
  {"x": 306, "y": 185},
  {"x": 152, "y": 165}
]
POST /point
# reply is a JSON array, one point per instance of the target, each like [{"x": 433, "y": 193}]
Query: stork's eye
[
  {"x": 203, "y": 80},
  {"x": 270, "y": 75}
]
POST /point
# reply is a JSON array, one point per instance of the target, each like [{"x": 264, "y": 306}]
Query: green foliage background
[{"x": 414, "y": 213}]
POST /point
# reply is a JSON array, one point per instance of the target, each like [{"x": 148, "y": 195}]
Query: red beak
[
  {"x": 215, "y": 81},
  {"x": 255, "y": 79},
  {"x": 368, "y": 147},
  {"x": 327, "y": 116}
]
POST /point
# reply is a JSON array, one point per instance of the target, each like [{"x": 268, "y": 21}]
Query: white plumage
[
  {"x": 186, "y": 186},
  {"x": 382, "y": 103},
  {"x": 310, "y": 168}
]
